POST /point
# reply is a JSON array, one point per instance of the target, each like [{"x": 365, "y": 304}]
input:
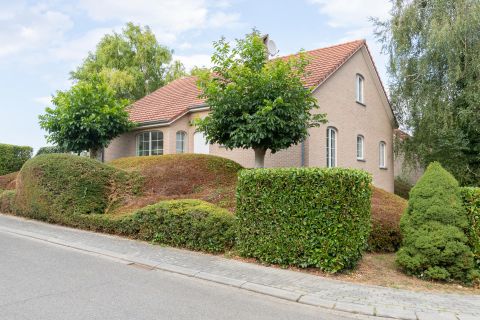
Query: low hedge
[
  {"x": 67, "y": 184},
  {"x": 13, "y": 157},
  {"x": 471, "y": 203},
  {"x": 7, "y": 201},
  {"x": 306, "y": 217}
]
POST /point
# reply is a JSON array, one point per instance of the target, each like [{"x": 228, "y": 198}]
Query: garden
[{"x": 330, "y": 222}]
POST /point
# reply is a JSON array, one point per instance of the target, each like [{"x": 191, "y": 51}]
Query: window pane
[
  {"x": 360, "y": 147},
  {"x": 382, "y": 154},
  {"x": 331, "y": 148},
  {"x": 143, "y": 144},
  {"x": 157, "y": 143},
  {"x": 181, "y": 141}
]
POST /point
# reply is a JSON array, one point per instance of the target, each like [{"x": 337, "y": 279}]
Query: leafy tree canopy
[
  {"x": 86, "y": 117},
  {"x": 434, "y": 48},
  {"x": 256, "y": 103},
  {"x": 133, "y": 62}
]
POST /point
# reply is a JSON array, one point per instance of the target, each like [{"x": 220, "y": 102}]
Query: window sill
[
  {"x": 361, "y": 160},
  {"x": 361, "y": 103},
  {"x": 383, "y": 168}
]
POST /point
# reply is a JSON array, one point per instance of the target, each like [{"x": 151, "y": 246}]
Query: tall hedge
[
  {"x": 13, "y": 157},
  {"x": 435, "y": 245},
  {"x": 305, "y": 217},
  {"x": 471, "y": 203}
]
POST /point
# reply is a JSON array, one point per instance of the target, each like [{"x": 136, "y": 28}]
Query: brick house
[{"x": 343, "y": 78}]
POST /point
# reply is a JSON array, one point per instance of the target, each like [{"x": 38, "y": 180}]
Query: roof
[{"x": 176, "y": 98}]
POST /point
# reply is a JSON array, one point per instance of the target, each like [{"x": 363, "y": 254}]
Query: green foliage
[
  {"x": 13, "y": 157},
  {"x": 62, "y": 184},
  {"x": 7, "y": 201},
  {"x": 192, "y": 224},
  {"x": 306, "y": 217},
  {"x": 86, "y": 117},
  {"x": 256, "y": 103},
  {"x": 50, "y": 150},
  {"x": 433, "y": 227},
  {"x": 402, "y": 188},
  {"x": 133, "y": 63},
  {"x": 434, "y": 49},
  {"x": 471, "y": 203}
]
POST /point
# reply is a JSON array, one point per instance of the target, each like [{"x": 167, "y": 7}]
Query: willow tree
[
  {"x": 434, "y": 49},
  {"x": 256, "y": 103}
]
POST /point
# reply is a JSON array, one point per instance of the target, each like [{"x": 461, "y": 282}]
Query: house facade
[{"x": 343, "y": 78}]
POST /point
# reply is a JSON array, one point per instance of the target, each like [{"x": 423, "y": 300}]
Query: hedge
[
  {"x": 50, "y": 150},
  {"x": 69, "y": 184},
  {"x": 13, "y": 157},
  {"x": 471, "y": 202},
  {"x": 305, "y": 217},
  {"x": 7, "y": 201}
]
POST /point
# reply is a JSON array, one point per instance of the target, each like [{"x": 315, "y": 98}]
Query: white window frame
[
  {"x": 183, "y": 141},
  {"x": 331, "y": 147},
  {"x": 360, "y": 147},
  {"x": 360, "y": 90},
  {"x": 382, "y": 155},
  {"x": 160, "y": 150}
]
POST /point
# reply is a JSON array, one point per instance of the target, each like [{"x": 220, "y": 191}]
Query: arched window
[
  {"x": 331, "y": 147},
  {"x": 150, "y": 143},
  {"x": 181, "y": 141},
  {"x": 382, "y": 151},
  {"x": 359, "y": 88},
  {"x": 360, "y": 147}
]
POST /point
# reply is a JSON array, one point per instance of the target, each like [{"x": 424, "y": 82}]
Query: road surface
[{"x": 40, "y": 281}]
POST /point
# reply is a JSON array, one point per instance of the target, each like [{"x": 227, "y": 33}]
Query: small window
[
  {"x": 360, "y": 147},
  {"x": 359, "y": 91},
  {"x": 331, "y": 147},
  {"x": 181, "y": 140},
  {"x": 382, "y": 153},
  {"x": 150, "y": 143}
]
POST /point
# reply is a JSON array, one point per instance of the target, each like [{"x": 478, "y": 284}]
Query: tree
[
  {"x": 86, "y": 117},
  {"x": 433, "y": 228},
  {"x": 434, "y": 49},
  {"x": 133, "y": 62},
  {"x": 256, "y": 103}
]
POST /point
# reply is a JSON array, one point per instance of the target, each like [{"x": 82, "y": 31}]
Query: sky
[{"x": 42, "y": 41}]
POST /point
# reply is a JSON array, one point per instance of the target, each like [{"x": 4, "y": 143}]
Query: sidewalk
[{"x": 285, "y": 284}]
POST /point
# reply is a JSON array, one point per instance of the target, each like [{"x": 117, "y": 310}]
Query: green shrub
[
  {"x": 192, "y": 224},
  {"x": 13, "y": 157},
  {"x": 306, "y": 217},
  {"x": 402, "y": 188},
  {"x": 434, "y": 243},
  {"x": 50, "y": 150},
  {"x": 7, "y": 201},
  {"x": 471, "y": 203},
  {"x": 62, "y": 184}
]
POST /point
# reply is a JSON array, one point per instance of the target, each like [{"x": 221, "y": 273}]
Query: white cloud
[{"x": 198, "y": 60}]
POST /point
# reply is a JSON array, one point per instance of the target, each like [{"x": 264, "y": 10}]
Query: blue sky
[{"x": 41, "y": 41}]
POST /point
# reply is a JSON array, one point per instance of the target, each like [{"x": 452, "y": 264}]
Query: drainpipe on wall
[{"x": 303, "y": 154}]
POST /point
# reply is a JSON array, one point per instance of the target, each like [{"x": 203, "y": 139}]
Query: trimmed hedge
[
  {"x": 435, "y": 245},
  {"x": 471, "y": 203},
  {"x": 306, "y": 217},
  {"x": 66, "y": 184},
  {"x": 50, "y": 150},
  {"x": 13, "y": 157},
  {"x": 7, "y": 201}
]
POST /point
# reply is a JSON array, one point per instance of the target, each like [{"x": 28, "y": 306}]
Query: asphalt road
[{"x": 43, "y": 281}]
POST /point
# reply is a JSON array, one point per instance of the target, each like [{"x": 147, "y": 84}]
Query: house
[{"x": 343, "y": 78}]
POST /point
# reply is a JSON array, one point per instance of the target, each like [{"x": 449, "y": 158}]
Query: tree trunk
[
  {"x": 93, "y": 153},
  {"x": 260, "y": 157}
]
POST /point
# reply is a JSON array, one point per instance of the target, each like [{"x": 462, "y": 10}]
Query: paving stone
[
  {"x": 395, "y": 312},
  {"x": 316, "y": 300},
  {"x": 220, "y": 279},
  {"x": 355, "y": 308},
  {"x": 271, "y": 291}
]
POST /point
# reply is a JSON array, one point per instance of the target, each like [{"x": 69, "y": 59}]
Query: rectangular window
[
  {"x": 331, "y": 147},
  {"x": 359, "y": 88},
  {"x": 150, "y": 143},
  {"x": 382, "y": 153},
  {"x": 360, "y": 147},
  {"x": 181, "y": 141},
  {"x": 157, "y": 143},
  {"x": 143, "y": 144}
]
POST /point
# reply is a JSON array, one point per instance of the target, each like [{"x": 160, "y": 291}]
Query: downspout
[{"x": 303, "y": 154}]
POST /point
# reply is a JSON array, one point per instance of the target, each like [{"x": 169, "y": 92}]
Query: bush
[
  {"x": 65, "y": 184},
  {"x": 471, "y": 203},
  {"x": 192, "y": 224},
  {"x": 8, "y": 181},
  {"x": 306, "y": 217},
  {"x": 13, "y": 157},
  {"x": 50, "y": 150},
  {"x": 401, "y": 188},
  {"x": 7, "y": 201},
  {"x": 434, "y": 243},
  {"x": 387, "y": 209}
]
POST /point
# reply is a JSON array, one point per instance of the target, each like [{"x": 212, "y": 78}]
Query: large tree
[
  {"x": 86, "y": 117},
  {"x": 133, "y": 62},
  {"x": 256, "y": 103},
  {"x": 434, "y": 49}
]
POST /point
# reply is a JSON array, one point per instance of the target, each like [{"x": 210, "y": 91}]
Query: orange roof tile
[{"x": 175, "y": 98}]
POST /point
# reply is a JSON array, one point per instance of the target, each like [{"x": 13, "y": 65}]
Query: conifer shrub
[{"x": 435, "y": 245}]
